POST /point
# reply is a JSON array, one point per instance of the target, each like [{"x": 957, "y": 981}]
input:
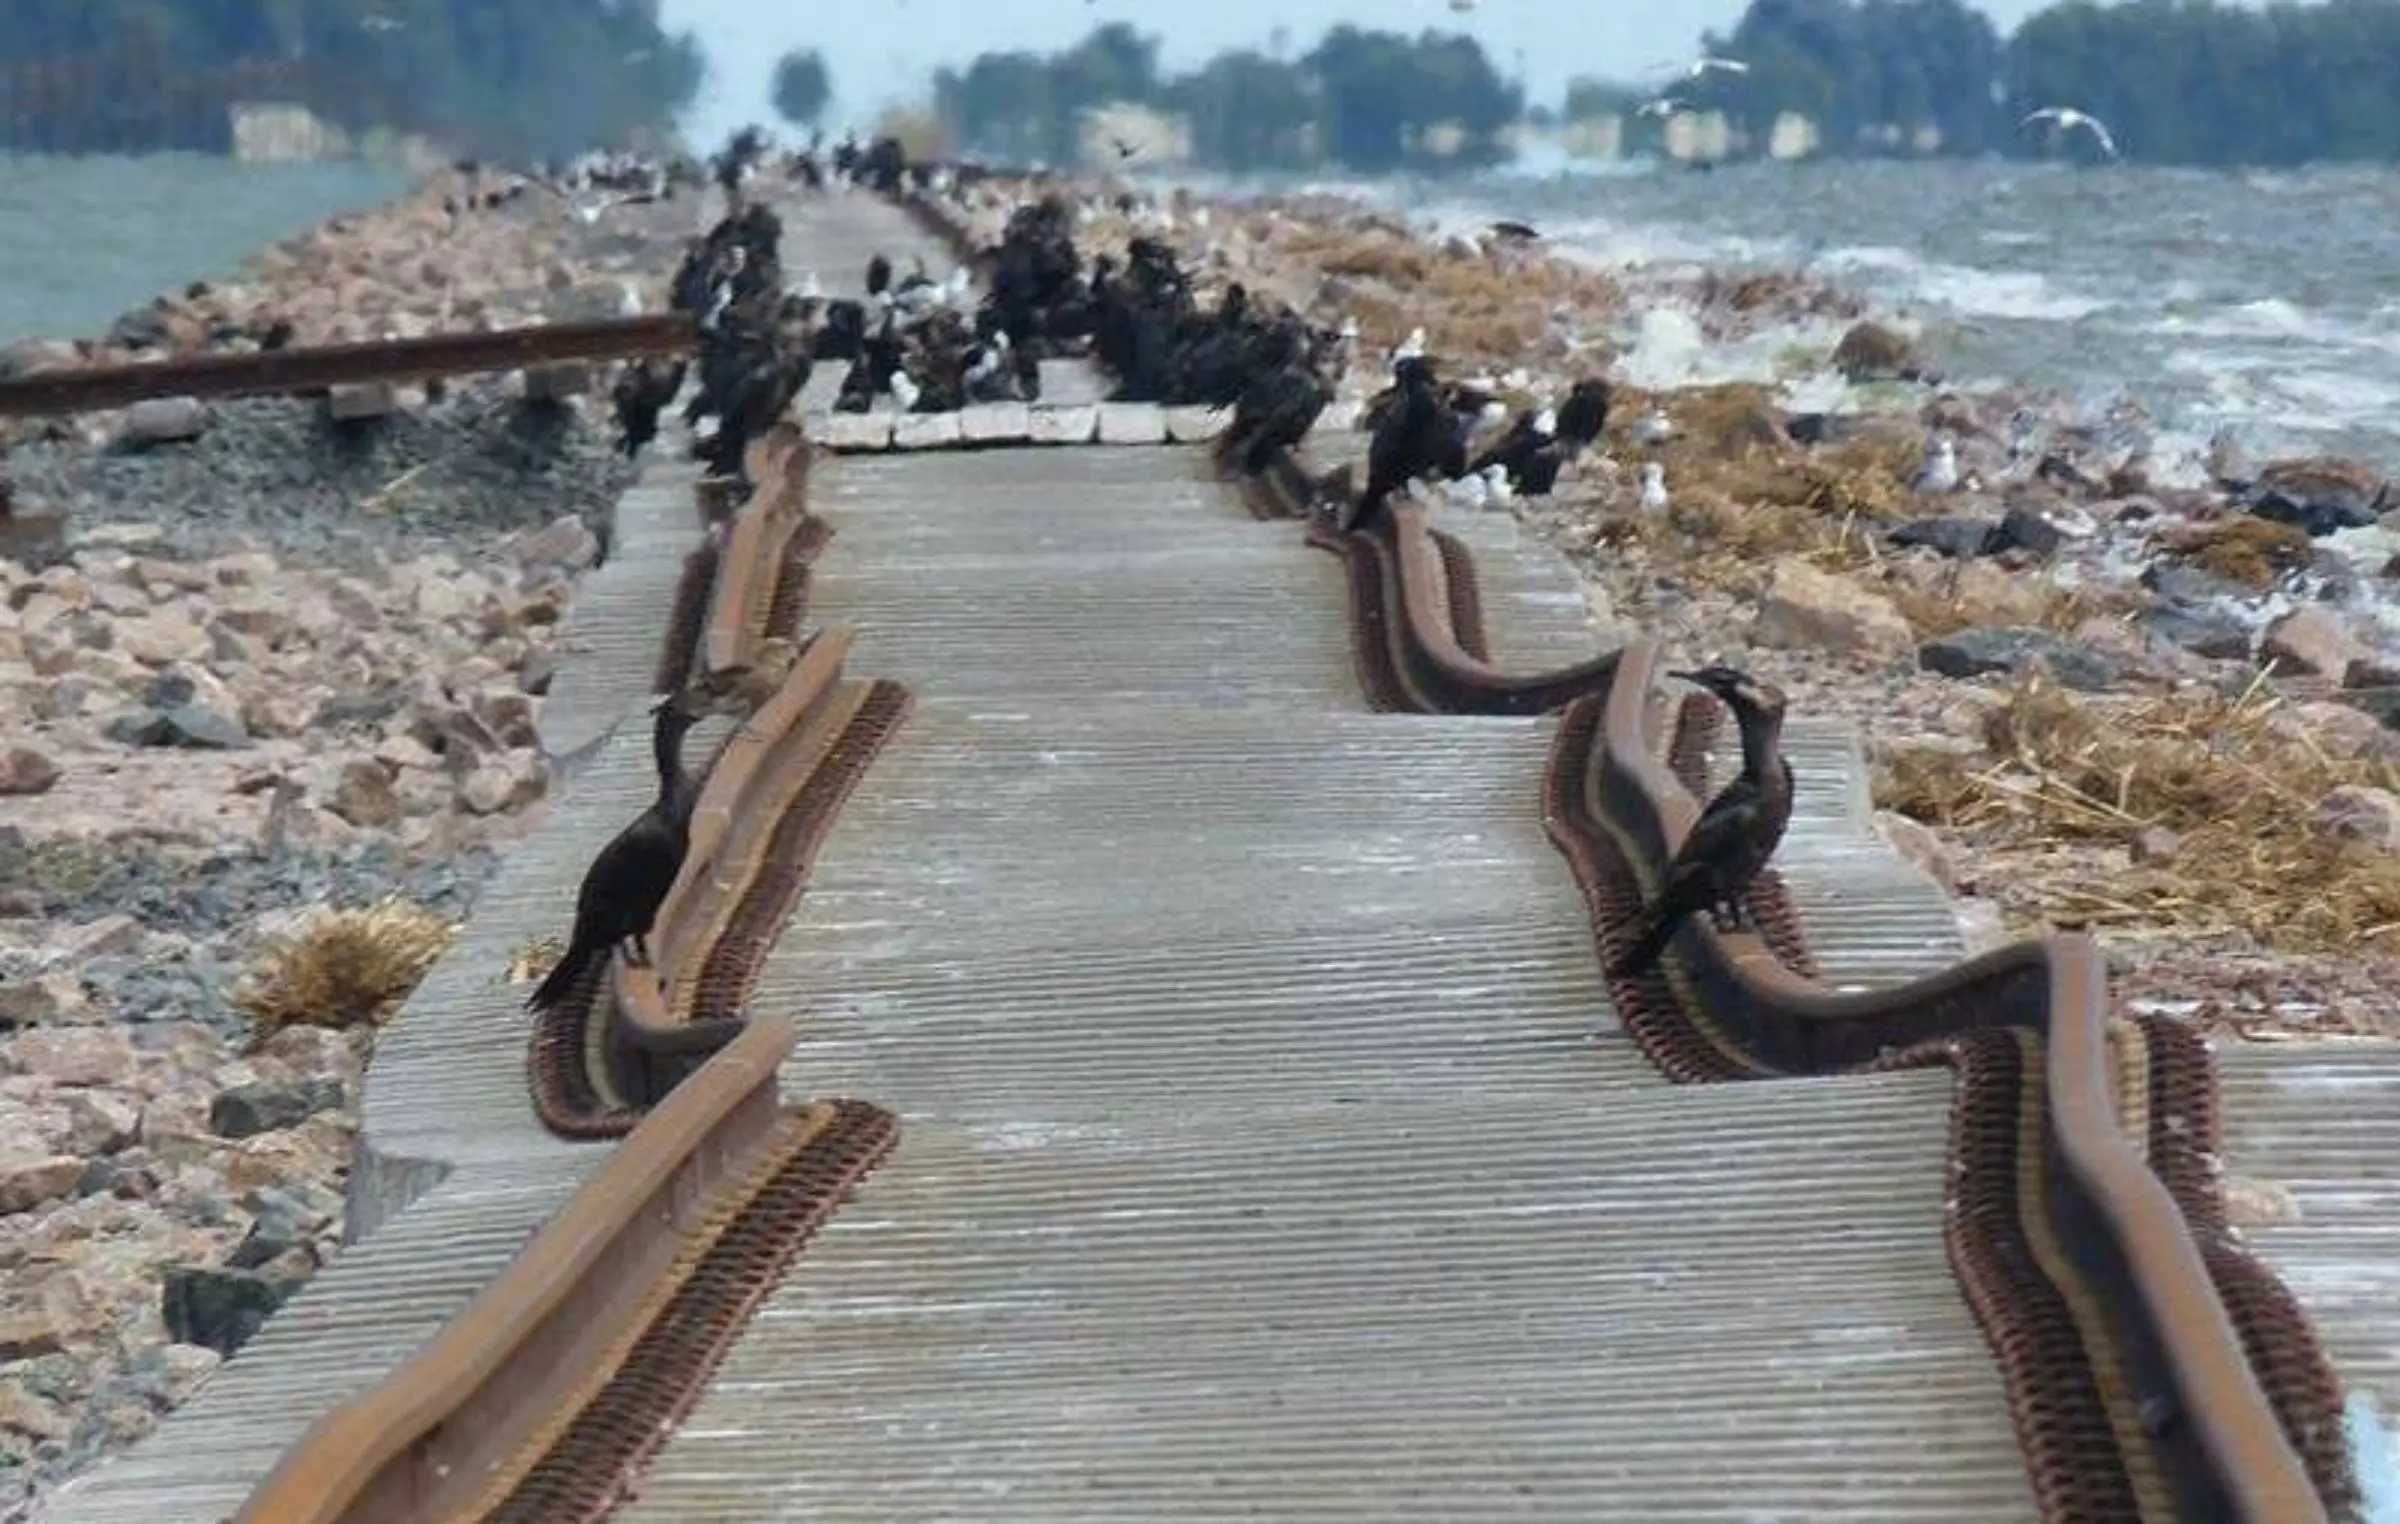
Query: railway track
[
  {"x": 94, "y": 388},
  {"x": 1225, "y": 913}
]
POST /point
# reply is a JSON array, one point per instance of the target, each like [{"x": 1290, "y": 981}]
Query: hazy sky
[{"x": 882, "y": 49}]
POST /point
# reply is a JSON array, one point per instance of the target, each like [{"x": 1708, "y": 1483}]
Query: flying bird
[
  {"x": 2064, "y": 119},
  {"x": 1514, "y": 232},
  {"x": 1707, "y": 66}
]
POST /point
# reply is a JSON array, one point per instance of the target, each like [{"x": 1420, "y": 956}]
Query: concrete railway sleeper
[{"x": 2154, "y": 1370}]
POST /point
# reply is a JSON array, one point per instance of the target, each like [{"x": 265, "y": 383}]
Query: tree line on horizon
[
  {"x": 501, "y": 78},
  {"x": 2177, "y": 81}
]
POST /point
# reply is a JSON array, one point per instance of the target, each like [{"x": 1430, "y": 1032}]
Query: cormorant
[
  {"x": 630, "y": 877},
  {"x": 1584, "y": 414},
  {"x": 643, "y": 390},
  {"x": 1736, "y": 835},
  {"x": 1419, "y": 435}
]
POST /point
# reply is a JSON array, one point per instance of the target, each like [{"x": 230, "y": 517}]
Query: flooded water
[
  {"x": 2264, "y": 302},
  {"x": 83, "y": 239},
  {"x": 2268, "y": 302}
]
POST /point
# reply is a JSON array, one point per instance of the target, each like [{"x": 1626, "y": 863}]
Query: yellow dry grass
[
  {"x": 1744, "y": 496},
  {"x": 2250, "y": 551},
  {"x": 2214, "y": 797},
  {"x": 343, "y": 968},
  {"x": 535, "y": 959}
]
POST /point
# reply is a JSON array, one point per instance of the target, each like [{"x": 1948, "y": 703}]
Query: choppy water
[
  {"x": 83, "y": 239},
  {"x": 2265, "y": 302}
]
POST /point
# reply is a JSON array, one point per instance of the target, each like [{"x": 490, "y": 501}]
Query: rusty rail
[
  {"x": 2125, "y": 1318},
  {"x": 560, "y": 1380},
  {"x": 772, "y": 794},
  {"x": 2156, "y": 1371},
  {"x": 96, "y": 388},
  {"x": 471, "y": 1419}
]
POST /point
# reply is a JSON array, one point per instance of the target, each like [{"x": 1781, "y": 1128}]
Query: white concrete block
[
  {"x": 925, "y": 431},
  {"x": 1132, "y": 423},
  {"x": 1197, "y": 425},
  {"x": 1063, "y": 425},
  {"x": 995, "y": 422},
  {"x": 851, "y": 431}
]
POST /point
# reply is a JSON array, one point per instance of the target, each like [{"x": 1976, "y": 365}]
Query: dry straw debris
[
  {"x": 2247, "y": 550},
  {"x": 2214, "y": 798},
  {"x": 342, "y": 968}
]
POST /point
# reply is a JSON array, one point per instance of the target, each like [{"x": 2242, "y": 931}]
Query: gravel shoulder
[{"x": 267, "y": 718}]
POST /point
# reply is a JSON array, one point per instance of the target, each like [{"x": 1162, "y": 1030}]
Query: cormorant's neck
[
  {"x": 666, "y": 749},
  {"x": 1762, "y": 745}
]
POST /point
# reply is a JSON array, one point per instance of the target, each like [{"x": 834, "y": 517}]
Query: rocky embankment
[
  {"x": 2155, "y": 698},
  {"x": 268, "y": 693}
]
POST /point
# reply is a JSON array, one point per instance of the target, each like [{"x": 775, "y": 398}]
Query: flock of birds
[
  {"x": 925, "y": 343},
  {"x": 2056, "y": 120}
]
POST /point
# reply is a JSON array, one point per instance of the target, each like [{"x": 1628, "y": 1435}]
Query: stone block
[
  {"x": 851, "y": 431},
  {"x": 925, "y": 431},
  {"x": 1133, "y": 423},
  {"x": 995, "y": 422},
  {"x": 1196, "y": 425},
  {"x": 1063, "y": 425}
]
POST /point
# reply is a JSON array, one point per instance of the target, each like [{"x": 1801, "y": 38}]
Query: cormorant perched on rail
[
  {"x": 1419, "y": 434},
  {"x": 630, "y": 877},
  {"x": 1736, "y": 835}
]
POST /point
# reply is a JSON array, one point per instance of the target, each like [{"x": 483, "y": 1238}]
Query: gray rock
[
  {"x": 218, "y": 1308},
  {"x": 2218, "y": 637},
  {"x": 191, "y": 727},
  {"x": 1957, "y": 538},
  {"x": 158, "y": 421},
  {"x": 283, "y": 1220},
  {"x": 1976, "y": 653},
  {"x": 32, "y": 534},
  {"x": 248, "y": 1110},
  {"x": 142, "y": 328},
  {"x": 2383, "y": 703},
  {"x": 2319, "y": 501}
]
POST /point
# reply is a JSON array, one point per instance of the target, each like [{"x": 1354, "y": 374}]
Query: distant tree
[
  {"x": 1248, "y": 112},
  {"x": 508, "y": 78},
  {"x": 802, "y": 87},
  {"x": 1589, "y": 98}
]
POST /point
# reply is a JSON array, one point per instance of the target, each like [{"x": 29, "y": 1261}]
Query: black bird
[
  {"x": 1514, "y": 232},
  {"x": 879, "y": 275},
  {"x": 1584, "y": 414},
  {"x": 1274, "y": 412},
  {"x": 630, "y": 877},
  {"x": 1419, "y": 434},
  {"x": 643, "y": 390},
  {"x": 1736, "y": 835}
]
